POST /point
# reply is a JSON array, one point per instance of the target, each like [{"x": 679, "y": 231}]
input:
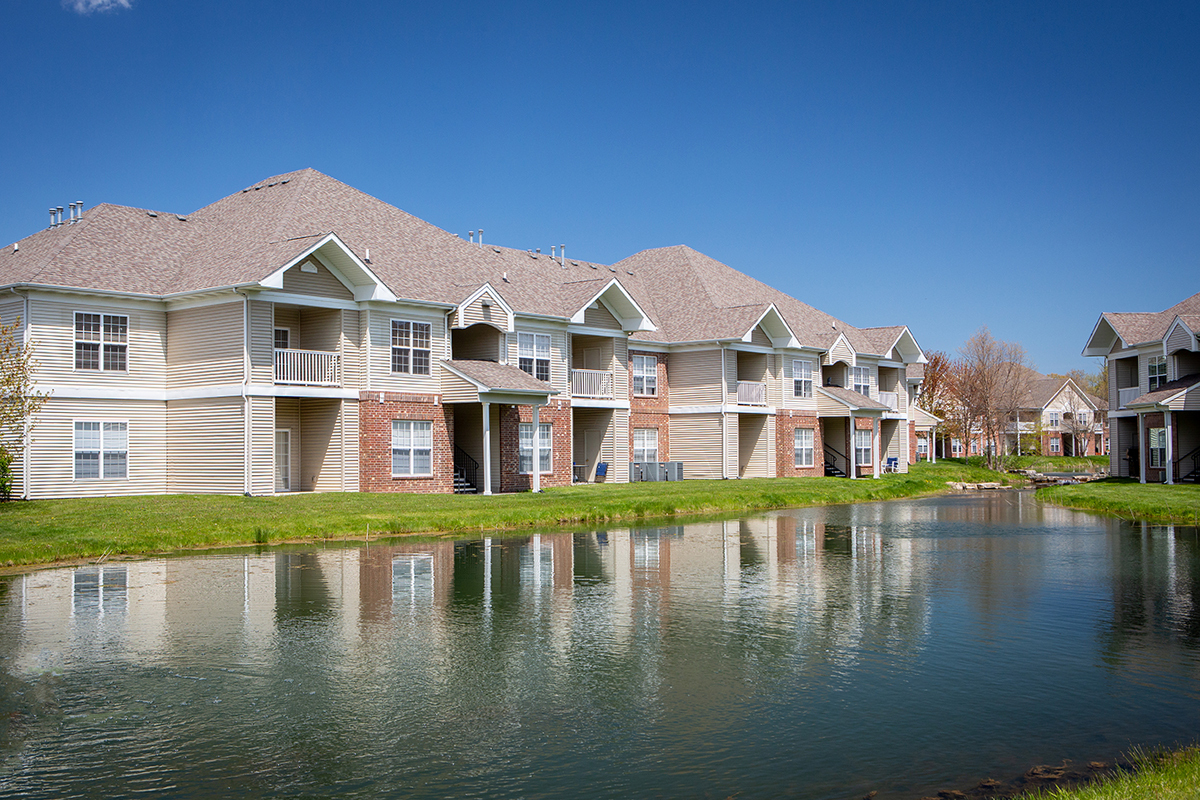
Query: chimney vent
[
  {"x": 481, "y": 238},
  {"x": 471, "y": 235},
  {"x": 51, "y": 216},
  {"x": 60, "y": 210}
]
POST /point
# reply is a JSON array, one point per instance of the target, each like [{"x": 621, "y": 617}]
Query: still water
[{"x": 900, "y": 647}]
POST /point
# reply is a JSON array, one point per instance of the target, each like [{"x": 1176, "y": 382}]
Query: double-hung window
[
  {"x": 412, "y": 447},
  {"x": 804, "y": 447},
  {"x": 802, "y": 378},
  {"x": 545, "y": 459},
  {"x": 645, "y": 444},
  {"x": 101, "y": 341},
  {"x": 645, "y": 375},
  {"x": 533, "y": 354},
  {"x": 101, "y": 450},
  {"x": 862, "y": 380},
  {"x": 862, "y": 448},
  {"x": 1158, "y": 447},
  {"x": 956, "y": 446},
  {"x": 1055, "y": 446},
  {"x": 411, "y": 347},
  {"x": 922, "y": 446},
  {"x": 1055, "y": 420},
  {"x": 1157, "y": 368}
]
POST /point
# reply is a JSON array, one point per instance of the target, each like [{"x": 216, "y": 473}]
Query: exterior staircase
[
  {"x": 831, "y": 468},
  {"x": 466, "y": 473}
]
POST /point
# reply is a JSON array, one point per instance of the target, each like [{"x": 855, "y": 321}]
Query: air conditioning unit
[{"x": 672, "y": 470}]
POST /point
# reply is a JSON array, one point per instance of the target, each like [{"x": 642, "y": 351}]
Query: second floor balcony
[
  {"x": 891, "y": 400},
  {"x": 592, "y": 383},
  {"x": 307, "y": 368},
  {"x": 1127, "y": 394},
  {"x": 751, "y": 393}
]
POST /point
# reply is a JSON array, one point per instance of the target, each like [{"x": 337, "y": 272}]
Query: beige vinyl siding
[
  {"x": 494, "y": 426},
  {"x": 619, "y": 466},
  {"x": 262, "y": 342},
  {"x": 204, "y": 346},
  {"x": 600, "y": 317},
  {"x": 840, "y": 352},
  {"x": 559, "y": 350},
  {"x": 787, "y": 376},
  {"x": 350, "y": 462},
  {"x": 380, "y": 345},
  {"x": 696, "y": 441},
  {"x": 1190, "y": 401},
  {"x": 475, "y": 312},
  {"x": 287, "y": 417},
  {"x": 732, "y": 445},
  {"x": 321, "y": 283},
  {"x": 206, "y": 446},
  {"x": 262, "y": 445},
  {"x": 759, "y": 337},
  {"x": 828, "y": 407},
  {"x": 52, "y": 326},
  {"x": 52, "y": 448},
  {"x": 621, "y": 370},
  {"x": 695, "y": 378},
  {"x": 1179, "y": 339},
  {"x": 456, "y": 389},
  {"x": 352, "y": 360},
  {"x": 323, "y": 447},
  {"x": 753, "y": 447},
  {"x": 11, "y": 308}
]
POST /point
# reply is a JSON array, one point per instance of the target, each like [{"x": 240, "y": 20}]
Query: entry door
[
  {"x": 283, "y": 460},
  {"x": 591, "y": 448}
]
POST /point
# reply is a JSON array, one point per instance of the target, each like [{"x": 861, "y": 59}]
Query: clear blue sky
[{"x": 941, "y": 165}]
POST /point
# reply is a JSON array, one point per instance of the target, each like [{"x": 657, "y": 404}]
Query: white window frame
[
  {"x": 407, "y": 357},
  {"x": 802, "y": 378},
  {"x": 645, "y": 376},
  {"x": 108, "y": 342},
  {"x": 545, "y": 444},
  {"x": 956, "y": 447},
  {"x": 1055, "y": 444},
  {"x": 1156, "y": 372},
  {"x": 533, "y": 354},
  {"x": 411, "y": 438},
  {"x": 804, "y": 447},
  {"x": 645, "y": 444},
  {"x": 922, "y": 446},
  {"x": 111, "y": 439},
  {"x": 1156, "y": 443},
  {"x": 287, "y": 334},
  {"x": 1055, "y": 420},
  {"x": 862, "y": 386},
  {"x": 862, "y": 447}
]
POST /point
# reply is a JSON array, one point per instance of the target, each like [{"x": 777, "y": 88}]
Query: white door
[{"x": 283, "y": 460}]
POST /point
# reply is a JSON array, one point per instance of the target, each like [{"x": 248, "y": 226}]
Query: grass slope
[
  {"x": 1128, "y": 499},
  {"x": 1158, "y": 776},
  {"x": 45, "y": 531}
]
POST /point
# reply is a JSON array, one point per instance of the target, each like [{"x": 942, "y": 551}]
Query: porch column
[
  {"x": 1170, "y": 448},
  {"x": 487, "y": 449},
  {"x": 875, "y": 445},
  {"x": 1141, "y": 423},
  {"x": 536, "y": 467},
  {"x": 850, "y": 454}
]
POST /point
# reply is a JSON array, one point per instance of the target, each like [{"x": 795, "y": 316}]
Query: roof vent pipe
[
  {"x": 552, "y": 255},
  {"x": 60, "y": 210},
  {"x": 562, "y": 254},
  {"x": 79, "y": 209},
  {"x": 481, "y": 237},
  {"x": 471, "y": 235},
  {"x": 52, "y": 216}
]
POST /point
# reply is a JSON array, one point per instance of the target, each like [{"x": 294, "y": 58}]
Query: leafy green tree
[{"x": 19, "y": 401}]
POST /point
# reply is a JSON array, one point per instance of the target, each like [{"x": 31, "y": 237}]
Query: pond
[{"x": 899, "y": 647}]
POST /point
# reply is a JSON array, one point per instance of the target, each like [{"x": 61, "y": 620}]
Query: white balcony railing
[
  {"x": 751, "y": 393},
  {"x": 890, "y": 399},
  {"x": 592, "y": 383},
  {"x": 1125, "y": 395},
  {"x": 307, "y": 367}
]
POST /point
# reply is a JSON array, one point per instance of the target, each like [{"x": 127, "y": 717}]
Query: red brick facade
[
  {"x": 786, "y": 423},
  {"x": 376, "y": 411},
  {"x": 651, "y": 412},
  {"x": 559, "y": 418}
]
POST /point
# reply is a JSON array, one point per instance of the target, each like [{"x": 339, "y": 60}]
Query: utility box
[
  {"x": 645, "y": 471},
  {"x": 672, "y": 470}
]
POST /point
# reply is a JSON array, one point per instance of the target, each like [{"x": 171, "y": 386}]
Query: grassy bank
[
  {"x": 1128, "y": 499},
  {"x": 1158, "y": 776},
  {"x": 1046, "y": 464},
  {"x": 44, "y": 531}
]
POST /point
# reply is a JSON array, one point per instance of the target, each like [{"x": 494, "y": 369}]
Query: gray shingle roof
[
  {"x": 1136, "y": 328},
  {"x": 1166, "y": 391},
  {"x": 501, "y": 377},
  {"x": 854, "y": 399}
]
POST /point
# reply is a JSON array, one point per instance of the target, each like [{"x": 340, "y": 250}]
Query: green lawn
[
  {"x": 1058, "y": 463},
  {"x": 1159, "y": 776},
  {"x": 44, "y": 531},
  {"x": 1128, "y": 499}
]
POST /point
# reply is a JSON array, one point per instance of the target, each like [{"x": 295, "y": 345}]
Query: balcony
[
  {"x": 307, "y": 368},
  {"x": 592, "y": 383},
  {"x": 891, "y": 400},
  {"x": 751, "y": 393},
  {"x": 1127, "y": 394}
]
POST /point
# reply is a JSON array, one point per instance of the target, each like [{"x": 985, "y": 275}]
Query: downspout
[
  {"x": 724, "y": 418},
  {"x": 26, "y": 339},
  {"x": 248, "y": 428}
]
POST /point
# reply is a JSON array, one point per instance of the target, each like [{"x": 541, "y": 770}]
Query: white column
[
  {"x": 1170, "y": 448},
  {"x": 1142, "y": 454},
  {"x": 536, "y": 466},
  {"x": 933, "y": 445},
  {"x": 850, "y": 454},
  {"x": 875, "y": 445},
  {"x": 487, "y": 448}
]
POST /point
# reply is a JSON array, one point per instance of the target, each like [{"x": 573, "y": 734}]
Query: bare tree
[
  {"x": 1077, "y": 422},
  {"x": 996, "y": 377},
  {"x": 19, "y": 402}
]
